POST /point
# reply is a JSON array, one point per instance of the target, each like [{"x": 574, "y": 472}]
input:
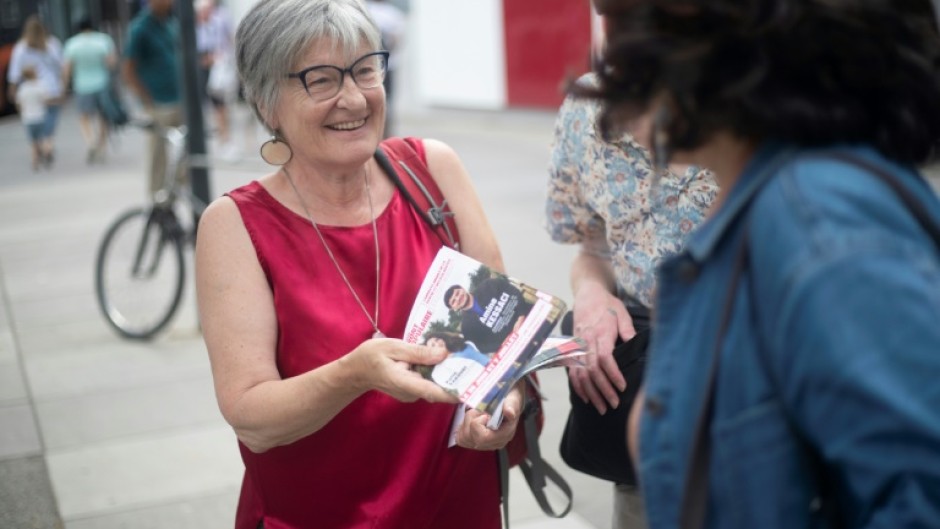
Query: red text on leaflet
[
  {"x": 418, "y": 330},
  {"x": 508, "y": 353}
]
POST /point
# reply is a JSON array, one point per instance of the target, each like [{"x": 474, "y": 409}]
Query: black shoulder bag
[{"x": 596, "y": 444}]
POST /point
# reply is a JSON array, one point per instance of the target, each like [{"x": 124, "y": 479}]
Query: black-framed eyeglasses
[{"x": 325, "y": 81}]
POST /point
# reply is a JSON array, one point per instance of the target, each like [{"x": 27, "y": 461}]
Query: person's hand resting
[
  {"x": 384, "y": 364},
  {"x": 473, "y": 433},
  {"x": 599, "y": 317}
]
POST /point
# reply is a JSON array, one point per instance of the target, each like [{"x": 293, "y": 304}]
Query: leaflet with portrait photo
[{"x": 493, "y": 326}]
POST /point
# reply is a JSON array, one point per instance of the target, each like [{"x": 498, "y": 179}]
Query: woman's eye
[
  {"x": 314, "y": 81},
  {"x": 365, "y": 71}
]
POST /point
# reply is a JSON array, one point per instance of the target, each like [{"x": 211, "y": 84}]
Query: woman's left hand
[{"x": 475, "y": 435}]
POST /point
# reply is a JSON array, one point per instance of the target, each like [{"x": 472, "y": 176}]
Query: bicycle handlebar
[{"x": 145, "y": 123}]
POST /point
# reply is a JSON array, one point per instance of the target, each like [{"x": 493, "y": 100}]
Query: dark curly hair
[{"x": 811, "y": 72}]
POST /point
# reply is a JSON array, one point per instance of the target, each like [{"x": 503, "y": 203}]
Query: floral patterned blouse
[{"x": 597, "y": 187}]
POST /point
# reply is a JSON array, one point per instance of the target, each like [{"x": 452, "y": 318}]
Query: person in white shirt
[
  {"x": 42, "y": 52},
  {"x": 31, "y": 99},
  {"x": 214, "y": 44}
]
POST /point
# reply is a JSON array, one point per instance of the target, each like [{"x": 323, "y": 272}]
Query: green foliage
[
  {"x": 451, "y": 325},
  {"x": 482, "y": 274}
]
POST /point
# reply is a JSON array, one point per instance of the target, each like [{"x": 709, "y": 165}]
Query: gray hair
[{"x": 275, "y": 33}]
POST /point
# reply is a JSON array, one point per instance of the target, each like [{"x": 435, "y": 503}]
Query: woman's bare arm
[{"x": 239, "y": 324}]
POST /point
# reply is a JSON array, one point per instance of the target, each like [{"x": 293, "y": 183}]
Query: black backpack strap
[
  {"x": 537, "y": 472},
  {"x": 913, "y": 204},
  {"x": 694, "y": 506},
  {"x": 503, "y": 458},
  {"x": 419, "y": 188}
]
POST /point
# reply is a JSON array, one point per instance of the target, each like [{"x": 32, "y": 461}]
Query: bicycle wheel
[{"x": 139, "y": 272}]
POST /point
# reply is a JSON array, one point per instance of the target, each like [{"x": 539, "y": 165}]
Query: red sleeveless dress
[{"x": 379, "y": 463}]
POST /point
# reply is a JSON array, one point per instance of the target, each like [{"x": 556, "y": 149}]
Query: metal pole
[
  {"x": 196, "y": 136},
  {"x": 936, "y": 11}
]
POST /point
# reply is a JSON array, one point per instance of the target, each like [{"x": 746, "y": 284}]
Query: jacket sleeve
[{"x": 852, "y": 335}]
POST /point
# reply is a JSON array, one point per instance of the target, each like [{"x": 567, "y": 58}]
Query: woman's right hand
[
  {"x": 385, "y": 364},
  {"x": 599, "y": 317}
]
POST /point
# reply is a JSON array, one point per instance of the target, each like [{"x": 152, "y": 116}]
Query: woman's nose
[{"x": 350, "y": 95}]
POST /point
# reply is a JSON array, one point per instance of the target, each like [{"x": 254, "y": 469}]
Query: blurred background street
[{"x": 97, "y": 432}]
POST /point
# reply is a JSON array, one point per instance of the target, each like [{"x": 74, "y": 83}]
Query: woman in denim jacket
[{"x": 826, "y": 409}]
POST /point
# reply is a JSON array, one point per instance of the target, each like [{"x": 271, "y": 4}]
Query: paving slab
[
  {"x": 26, "y": 499},
  {"x": 103, "y": 478},
  {"x": 19, "y": 435},
  {"x": 199, "y": 512},
  {"x": 87, "y": 418}
]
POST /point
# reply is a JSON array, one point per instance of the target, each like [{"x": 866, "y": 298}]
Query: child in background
[{"x": 31, "y": 103}]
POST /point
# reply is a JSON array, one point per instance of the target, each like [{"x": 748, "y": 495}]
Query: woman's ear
[
  {"x": 268, "y": 119},
  {"x": 265, "y": 119},
  {"x": 271, "y": 123}
]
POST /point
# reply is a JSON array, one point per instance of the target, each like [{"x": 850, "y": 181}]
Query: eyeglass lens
[{"x": 323, "y": 82}]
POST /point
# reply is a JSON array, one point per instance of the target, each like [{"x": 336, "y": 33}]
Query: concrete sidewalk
[{"x": 100, "y": 433}]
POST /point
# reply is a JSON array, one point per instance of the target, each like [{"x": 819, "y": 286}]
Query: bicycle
[{"x": 140, "y": 266}]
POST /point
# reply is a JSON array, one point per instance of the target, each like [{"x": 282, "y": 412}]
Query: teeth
[{"x": 348, "y": 125}]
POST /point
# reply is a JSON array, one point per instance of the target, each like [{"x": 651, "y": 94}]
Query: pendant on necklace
[{"x": 377, "y": 334}]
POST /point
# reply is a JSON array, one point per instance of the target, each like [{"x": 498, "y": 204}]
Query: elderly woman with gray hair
[{"x": 304, "y": 280}]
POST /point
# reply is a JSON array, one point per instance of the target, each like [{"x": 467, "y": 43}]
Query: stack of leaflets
[{"x": 495, "y": 328}]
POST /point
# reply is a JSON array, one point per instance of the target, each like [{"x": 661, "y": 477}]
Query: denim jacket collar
[{"x": 767, "y": 160}]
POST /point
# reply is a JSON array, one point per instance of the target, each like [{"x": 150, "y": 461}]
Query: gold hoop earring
[{"x": 276, "y": 151}]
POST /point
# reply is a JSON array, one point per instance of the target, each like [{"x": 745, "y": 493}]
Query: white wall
[
  {"x": 237, "y": 8},
  {"x": 453, "y": 56},
  {"x": 457, "y": 51}
]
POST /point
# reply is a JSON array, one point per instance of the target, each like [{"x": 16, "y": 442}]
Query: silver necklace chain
[{"x": 378, "y": 256}]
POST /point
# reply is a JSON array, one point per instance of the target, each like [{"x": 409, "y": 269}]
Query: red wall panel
[{"x": 547, "y": 41}]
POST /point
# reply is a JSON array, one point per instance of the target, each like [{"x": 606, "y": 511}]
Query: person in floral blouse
[{"x": 626, "y": 217}]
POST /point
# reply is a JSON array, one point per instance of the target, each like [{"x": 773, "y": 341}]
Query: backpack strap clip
[{"x": 419, "y": 189}]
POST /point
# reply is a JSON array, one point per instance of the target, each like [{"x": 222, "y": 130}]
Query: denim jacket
[{"x": 829, "y": 377}]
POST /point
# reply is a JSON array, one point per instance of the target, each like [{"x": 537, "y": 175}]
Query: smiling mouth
[{"x": 349, "y": 125}]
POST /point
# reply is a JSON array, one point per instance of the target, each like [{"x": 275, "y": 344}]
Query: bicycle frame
[
  {"x": 164, "y": 220},
  {"x": 176, "y": 177}
]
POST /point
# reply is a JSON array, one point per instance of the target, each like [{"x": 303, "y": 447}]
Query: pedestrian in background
[
  {"x": 219, "y": 77},
  {"x": 151, "y": 70},
  {"x": 392, "y": 24},
  {"x": 42, "y": 52},
  {"x": 89, "y": 59},
  {"x": 31, "y": 98},
  {"x": 796, "y": 385}
]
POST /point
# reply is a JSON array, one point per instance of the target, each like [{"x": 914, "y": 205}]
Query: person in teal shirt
[
  {"x": 89, "y": 57},
  {"x": 151, "y": 69}
]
